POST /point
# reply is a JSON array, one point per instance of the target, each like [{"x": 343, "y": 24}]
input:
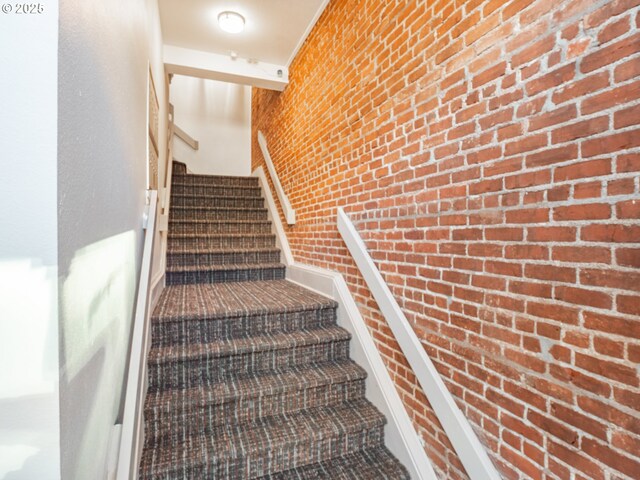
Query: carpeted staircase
[{"x": 249, "y": 374}]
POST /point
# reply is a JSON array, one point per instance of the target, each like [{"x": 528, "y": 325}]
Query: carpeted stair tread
[
  {"x": 369, "y": 464},
  {"x": 181, "y": 403},
  {"x": 186, "y": 182},
  {"x": 203, "y": 256},
  {"x": 188, "y": 236},
  {"x": 220, "y": 300},
  {"x": 218, "y": 209},
  {"x": 225, "y": 221},
  {"x": 221, "y": 240},
  {"x": 219, "y": 178},
  {"x": 214, "y": 201},
  {"x": 266, "y": 446},
  {"x": 219, "y": 213},
  {"x": 224, "y": 267},
  {"x": 240, "y": 346},
  {"x": 217, "y": 273},
  {"x": 211, "y": 197},
  {"x": 212, "y": 227},
  {"x": 215, "y": 250}
]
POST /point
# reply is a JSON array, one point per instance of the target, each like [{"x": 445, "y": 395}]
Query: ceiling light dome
[{"x": 231, "y": 22}]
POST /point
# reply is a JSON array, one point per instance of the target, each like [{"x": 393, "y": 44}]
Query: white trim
[
  {"x": 306, "y": 33},
  {"x": 215, "y": 66},
  {"x": 400, "y": 435},
  {"x": 274, "y": 216},
  {"x": 112, "y": 452},
  {"x": 133, "y": 419},
  {"x": 185, "y": 137},
  {"x": 289, "y": 212},
  {"x": 470, "y": 451}
]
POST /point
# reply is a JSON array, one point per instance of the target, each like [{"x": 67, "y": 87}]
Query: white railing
[
  {"x": 185, "y": 137},
  {"x": 132, "y": 419},
  {"x": 289, "y": 212},
  {"x": 464, "y": 440}
]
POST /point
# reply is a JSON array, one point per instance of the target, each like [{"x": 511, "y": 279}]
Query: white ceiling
[{"x": 274, "y": 29}]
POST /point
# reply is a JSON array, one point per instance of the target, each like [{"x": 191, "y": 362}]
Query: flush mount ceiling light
[{"x": 231, "y": 22}]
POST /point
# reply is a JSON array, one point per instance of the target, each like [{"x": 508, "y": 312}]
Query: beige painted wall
[{"x": 218, "y": 116}]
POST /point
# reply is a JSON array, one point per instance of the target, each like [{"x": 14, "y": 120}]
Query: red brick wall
[{"x": 488, "y": 152}]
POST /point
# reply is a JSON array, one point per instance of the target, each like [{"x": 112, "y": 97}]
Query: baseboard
[{"x": 401, "y": 437}]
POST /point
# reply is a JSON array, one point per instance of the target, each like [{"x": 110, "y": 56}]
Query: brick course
[{"x": 488, "y": 152}]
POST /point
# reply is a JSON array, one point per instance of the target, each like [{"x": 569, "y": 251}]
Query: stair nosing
[
  {"x": 327, "y": 304},
  {"x": 214, "y": 250},
  {"x": 326, "y": 428},
  {"x": 351, "y": 372},
  {"x": 243, "y": 313},
  {"x": 213, "y": 185},
  {"x": 206, "y": 175},
  {"x": 217, "y": 221},
  {"x": 224, "y": 208},
  {"x": 271, "y": 342},
  {"x": 227, "y": 267}
]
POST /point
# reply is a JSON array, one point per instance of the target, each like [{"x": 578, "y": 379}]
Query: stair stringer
[{"x": 400, "y": 437}]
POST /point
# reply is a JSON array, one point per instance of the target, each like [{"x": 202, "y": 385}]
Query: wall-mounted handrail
[
  {"x": 464, "y": 440},
  {"x": 289, "y": 212},
  {"x": 185, "y": 137},
  {"x": 132, "y": 419}
]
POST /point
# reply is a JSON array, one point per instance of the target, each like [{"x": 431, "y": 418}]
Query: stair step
[
  {"x": 267, "y": 446},
  {"x": 224, "y": 273},
  {"x": 276, "y": 392},
  {"x": 204, "y": 257},
  {"x": 218, "y": 213},
  {"x": 249, "y": 375},
  {"x": 224, "y": 180},
  {"x": 376, "y": 463},
  {"x": 179, "y": 168},
  {"x": 228, "y": 240},
  {"x": 182, "y": 188},
  {"x": 186, "y": 200},
  {"x": 203, "y": 313},
  {"x": 206, "y": 227},
  {"x": 191, "y": 365}
]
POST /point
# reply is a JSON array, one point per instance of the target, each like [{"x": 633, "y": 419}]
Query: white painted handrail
[
  {"x": 185, "y": 137},
  {"x": 132, "y": 420},
  {"x": 470, "y": 451},
  {"x": 289, "y": 212},
  {"x": 274, "y": 216}
]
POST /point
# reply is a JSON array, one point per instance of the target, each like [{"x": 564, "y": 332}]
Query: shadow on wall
[{"x": 96, "y": 309}]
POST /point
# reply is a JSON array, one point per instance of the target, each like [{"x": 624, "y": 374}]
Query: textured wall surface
[
  {"x": 103, "y": 65},
  {"x": 488, "y": 153}
]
